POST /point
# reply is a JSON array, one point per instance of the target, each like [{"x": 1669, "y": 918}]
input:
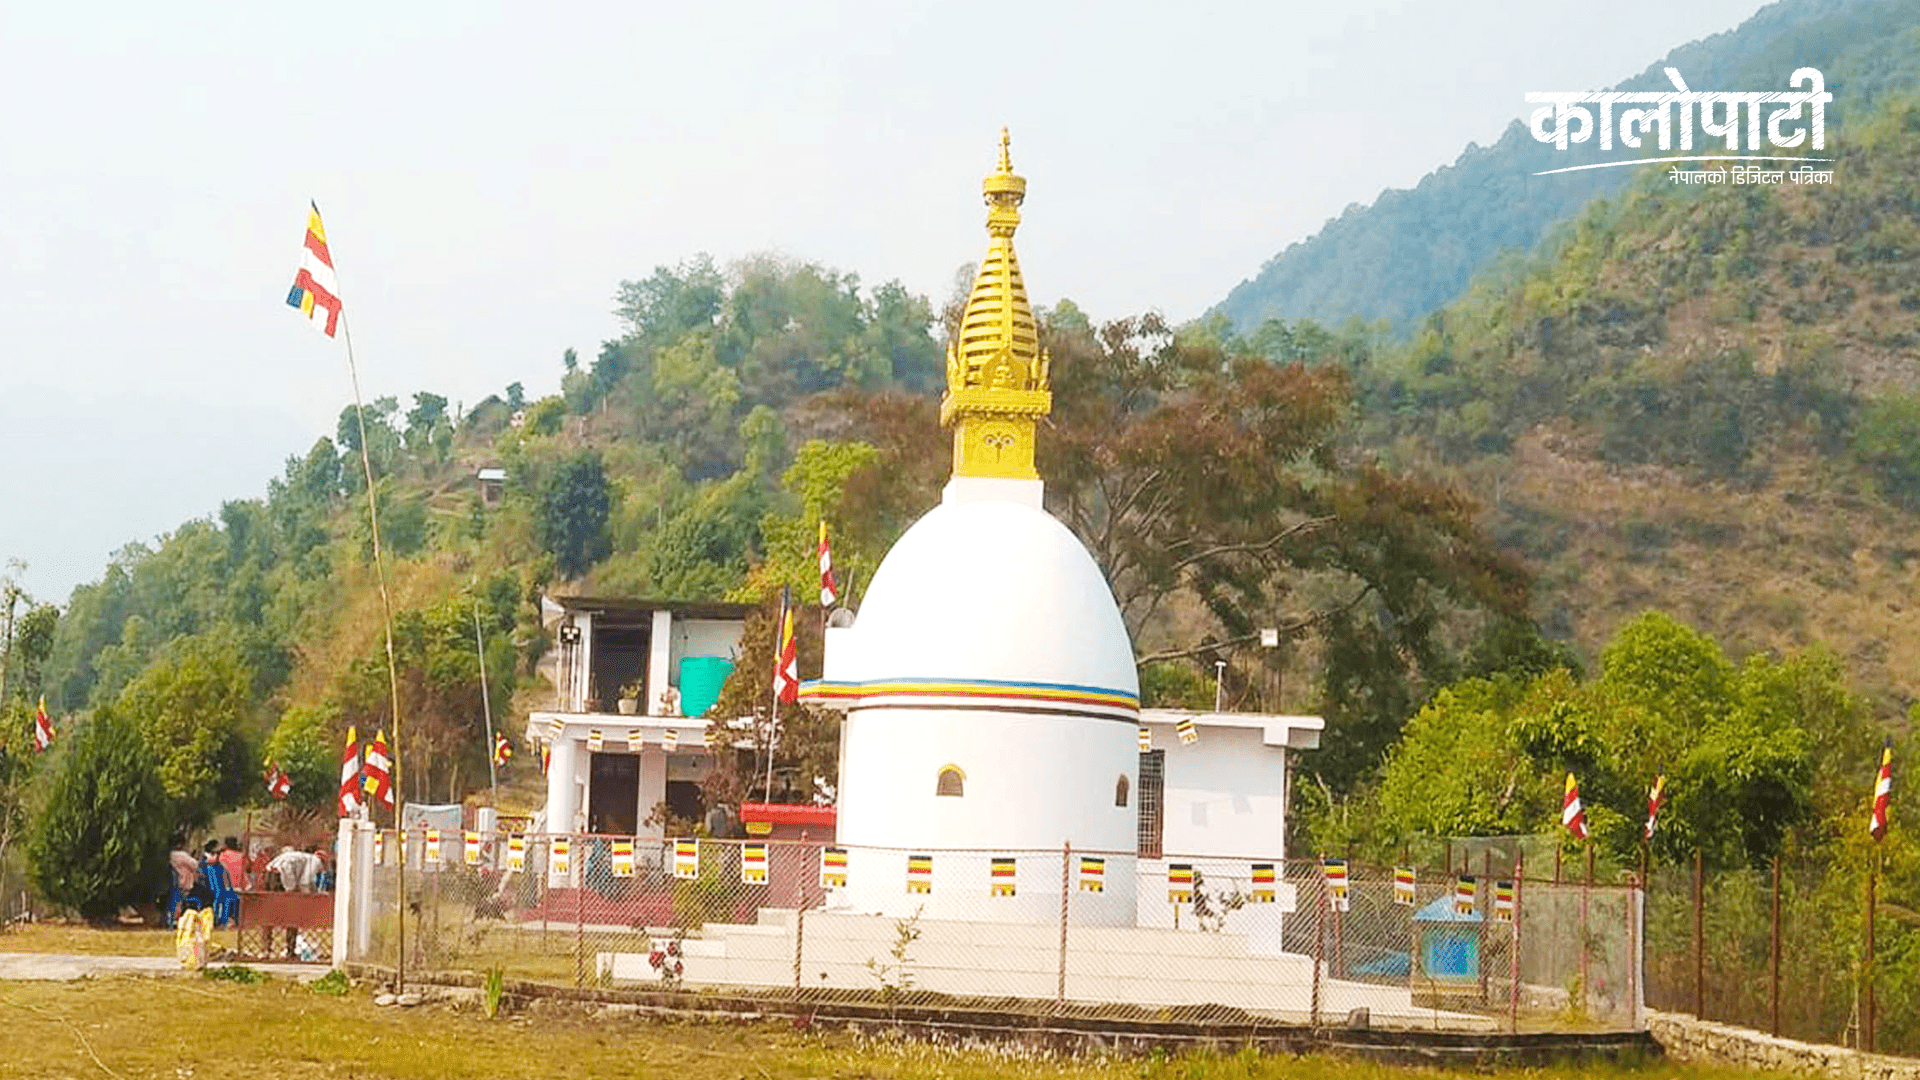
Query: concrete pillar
[
  {"x": 563, "y": 786},
  {"x": 653, "y": 789},
  {"x": 353, "y": 892},
  {"x": 660, "y": 663}
]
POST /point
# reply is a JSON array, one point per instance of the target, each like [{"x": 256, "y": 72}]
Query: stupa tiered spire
[{"x": 997, "y": 378}]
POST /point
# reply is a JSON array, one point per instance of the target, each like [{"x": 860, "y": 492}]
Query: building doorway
[{"x": 613, "y": 794}]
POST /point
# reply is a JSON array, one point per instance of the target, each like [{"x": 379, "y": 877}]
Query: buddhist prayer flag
[
  {"x": 1466, "y": 894},
  {"x": 1189, "y": 732},
  {"x": 560, "y": 856},
  {"x": 1503, "y": 901},
  {"x": 595, "y": 740},
  {"x": 471, "y": 845},
  {"x": 1403, "y": 885},
  {"x": 623, "y": 858},
  {"x": 833, "y": 867},
  {"x": 1146, "y": 740},
  {"x": 686, "y": 859},
  {"x": 502, "y": 751},
  {"x": 1093, "y": 874},
  {"x": 1002, "y": 875},
  {"x": 379, "y": 771},
  {"x": 1262, "y": 883},
  {"x": 1571, "y": 815},
  {"x": 1179, "y": 883},
  {"x": 714, "y": 736},
  {"x": 670, "y": 741},
  {"x": 42, "y": 727},
  {"x": 379, "y": 848},
  {"x": 432, "y": 855},
  {"x": 350, "y": 775},
  {"x": 546, "y": 757},
  {"x": 829, "y": 592},
  {"x": 753, "y": 863},
  {"x": 1336, "y": 872},
  {"x": 1882, "y": 792},
  {"x": 636, "y": 738},
  {"x": 919, "y": 873},
  {"x": 278, "y": 783},
  {"x": 786, "y": 669},
  {"x": 1654, "y": 798},
  {"x": 315, "y": 293},
  {"x": 516, "y": 852}
]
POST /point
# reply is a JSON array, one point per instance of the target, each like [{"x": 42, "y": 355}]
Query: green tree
[
  {"x": 191, "y": 708},
  {"x": 99, "y": 841},
  {"x": 572, "y": 512}
]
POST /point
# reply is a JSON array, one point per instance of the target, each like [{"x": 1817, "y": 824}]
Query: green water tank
[{"x": 700, "y": 680}]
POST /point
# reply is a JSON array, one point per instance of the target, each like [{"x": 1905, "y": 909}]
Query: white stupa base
[
  {"x": 1105, "y": 965},
  {"x": 966, "y": 489}
]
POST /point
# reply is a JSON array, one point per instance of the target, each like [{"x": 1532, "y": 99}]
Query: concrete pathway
[{"x": 65, "y": 967}]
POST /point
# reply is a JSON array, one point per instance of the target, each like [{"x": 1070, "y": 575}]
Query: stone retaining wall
[{"x": 1687, "y": 1039}]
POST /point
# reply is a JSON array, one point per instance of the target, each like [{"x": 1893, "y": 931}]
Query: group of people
[{"x": 290, "y": 869}]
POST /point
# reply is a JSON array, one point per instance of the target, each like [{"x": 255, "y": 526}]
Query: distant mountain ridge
[{"x": 1413, "y": 251}]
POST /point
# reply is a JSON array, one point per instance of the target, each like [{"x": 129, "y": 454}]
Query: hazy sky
[{"x": 490, "y": 172}]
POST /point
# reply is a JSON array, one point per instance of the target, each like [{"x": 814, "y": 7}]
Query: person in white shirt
[{"x": 297, "y": 869}]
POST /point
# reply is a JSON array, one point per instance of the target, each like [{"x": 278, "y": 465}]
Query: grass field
[{"x": 178, "y": 1028}]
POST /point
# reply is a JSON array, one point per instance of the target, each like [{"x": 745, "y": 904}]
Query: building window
[
  {"x": 1120, "y": 790},
  {"x": 1153, "y": 774},
  {"x": 952, "y": 782}
]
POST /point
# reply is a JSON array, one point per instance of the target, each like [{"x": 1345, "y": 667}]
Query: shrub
[{"x": 99, "y": 842}]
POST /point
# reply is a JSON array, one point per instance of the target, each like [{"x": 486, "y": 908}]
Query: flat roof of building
[{"x": 628, "y": 605}]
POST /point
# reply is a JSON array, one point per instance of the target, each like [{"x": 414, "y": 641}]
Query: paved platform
[{"x": 66, "y": 967}]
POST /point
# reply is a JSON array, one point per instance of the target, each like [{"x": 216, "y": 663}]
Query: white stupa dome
[{"x": 993, "y": 591}]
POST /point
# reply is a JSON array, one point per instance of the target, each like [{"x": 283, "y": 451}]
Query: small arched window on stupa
[
  {"x": 952, "y": 782},
  {"x": 1120, "y": 789}
]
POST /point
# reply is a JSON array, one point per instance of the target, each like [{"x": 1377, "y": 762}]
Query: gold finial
[{"x": 997, "y": 377}]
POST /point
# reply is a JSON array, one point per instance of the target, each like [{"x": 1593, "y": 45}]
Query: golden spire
[{"x": 996, "y": 369}]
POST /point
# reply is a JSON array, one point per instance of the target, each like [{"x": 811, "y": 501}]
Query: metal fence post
[
  {"x": 799, "y": 941},
  {"x": 579, "y": 879},
  {"x": 1319, "y": 940},
  {"x": 1513, "y": 947},
  {"x": 1066, "y": 862},
  {"x": 1699, "y": 936},
  {"x": 1773, "y": 956}
]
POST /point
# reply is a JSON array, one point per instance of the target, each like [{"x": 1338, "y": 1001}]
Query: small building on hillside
[
  {"x": 492, "y": 482},
  {"x": 626, "y": 733}
]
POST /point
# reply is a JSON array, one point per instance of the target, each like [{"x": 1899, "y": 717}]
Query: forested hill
[
  {"x": 1410, "y": 252},
  {"x": 1707, "y": 401}
]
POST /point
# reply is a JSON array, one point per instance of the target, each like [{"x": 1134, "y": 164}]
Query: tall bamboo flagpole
[{"x": 486, "y": 705}]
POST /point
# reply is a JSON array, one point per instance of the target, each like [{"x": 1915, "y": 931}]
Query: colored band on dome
[{"x": 973, "y": 693}]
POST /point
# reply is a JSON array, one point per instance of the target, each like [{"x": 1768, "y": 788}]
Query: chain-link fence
[
  {"x": 1200, "y": 940},
  {"x": 1784, "y": 953}
]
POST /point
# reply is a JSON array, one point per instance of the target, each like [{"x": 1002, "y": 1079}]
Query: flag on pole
[
  {"x": 42, "y": 727},
  {"x": 1654, "y": 798},
  {"x": 379, "y": 771},
  {"x": 502, "y": 750},
  {"x": 278, "y": 784},
  {"x": 546, "y": 757},
  {"x": 350, "y": 775},
  {"x": 316, "y": 294},
  {"x": 1571, "y": 815},
  {"x": 829, "y": 592},
  {"x": 1882, "y": 791},
  {"x": 786, "y": 668}
]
